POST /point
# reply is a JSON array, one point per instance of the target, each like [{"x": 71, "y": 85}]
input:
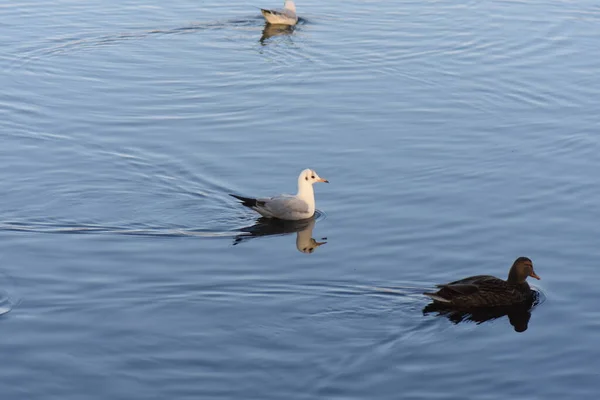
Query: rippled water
[{"x": 456, "y": 137}]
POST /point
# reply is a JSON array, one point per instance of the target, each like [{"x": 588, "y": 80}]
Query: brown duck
[{"x": 489, "y": 291}]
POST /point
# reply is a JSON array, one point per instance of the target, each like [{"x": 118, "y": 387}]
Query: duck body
[
  {"x": 482, "y": 291},
  {"x": 488, "y": 291}
]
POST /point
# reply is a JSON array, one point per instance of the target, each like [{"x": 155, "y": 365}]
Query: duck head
[{"x": 521, "y": 269}]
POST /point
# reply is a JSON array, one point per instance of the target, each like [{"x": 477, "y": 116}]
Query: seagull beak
[
  {"x": 534, "y": 275},
  {"x": 322, "y": 180}
]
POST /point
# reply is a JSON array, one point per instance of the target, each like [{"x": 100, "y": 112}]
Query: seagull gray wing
[
  {"x": 281, "y": 12},
  {"x": 286, "y": 207}
]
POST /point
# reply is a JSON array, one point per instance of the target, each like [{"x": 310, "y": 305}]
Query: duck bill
[
  {"x": 322, "y": 180},
  {"x": 534, "y": 275}
]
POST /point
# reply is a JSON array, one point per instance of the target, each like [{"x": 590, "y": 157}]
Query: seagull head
[
  {"x": 289, "y": 5},
  {"x": 310, "y": 176}
]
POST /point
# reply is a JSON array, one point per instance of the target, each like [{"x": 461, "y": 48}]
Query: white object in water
[
  {"x": 286, "y": 206},
  {"x": 283, "y": 16}
]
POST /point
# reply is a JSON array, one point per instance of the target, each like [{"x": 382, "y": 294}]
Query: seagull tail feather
[{"x": 246, "y": 201}]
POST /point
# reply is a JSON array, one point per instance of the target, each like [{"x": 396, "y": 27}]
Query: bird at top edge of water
[{"x": 281, "y": 16}]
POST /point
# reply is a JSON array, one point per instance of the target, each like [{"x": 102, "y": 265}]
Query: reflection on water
[
  {"x": 77, "y": 42},
  {"x": 456, "y": 135},
  {"x": 518, "y": 315},
  {"x": 275, "y": 30},
  {"x": 305, "y": 243}
]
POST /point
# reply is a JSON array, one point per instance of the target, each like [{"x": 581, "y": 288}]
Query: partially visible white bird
[
  {"x": 286, "y": 206},
  {"x": 283, "y": 16}
]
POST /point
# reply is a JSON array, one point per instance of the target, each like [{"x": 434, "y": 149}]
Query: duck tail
[{"x": 437, "y": 297}]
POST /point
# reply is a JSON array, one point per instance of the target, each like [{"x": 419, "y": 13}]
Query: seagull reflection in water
[
  {"x": 275, "y": 30},
  {"x": 518, "y": 315},
  {"x": 305, "y": 243}
]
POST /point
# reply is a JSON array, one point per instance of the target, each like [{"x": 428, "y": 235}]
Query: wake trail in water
[
  {"x": 66, "y": 45},
  {"x": 373, "y": 290},
  {"x": 113, "y": 230}
]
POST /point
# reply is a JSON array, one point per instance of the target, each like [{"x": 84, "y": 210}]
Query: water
[{"x": 456, "y": 136}]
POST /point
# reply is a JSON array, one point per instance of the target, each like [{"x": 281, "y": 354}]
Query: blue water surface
[{"x": 457, "y": 135}]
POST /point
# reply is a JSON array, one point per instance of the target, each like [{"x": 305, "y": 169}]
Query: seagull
[
  {"x": 285, "y": 206},
  {"x": 284, "y": 16}
]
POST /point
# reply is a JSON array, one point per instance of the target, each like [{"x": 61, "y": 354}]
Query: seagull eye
[
  {"x": 313, "y": 177},
  {"x": 306, "y": 178}
]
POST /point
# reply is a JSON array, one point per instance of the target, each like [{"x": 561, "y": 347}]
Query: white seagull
[
  {"x": 285, "y": 206},
  {"x": 283, "y": 16}
]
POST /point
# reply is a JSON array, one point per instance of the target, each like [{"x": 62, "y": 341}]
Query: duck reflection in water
[
  {"x": 275, "y": 30},
  {"x": 305, "y": 243},
  {"x": 518, "y": 315}
]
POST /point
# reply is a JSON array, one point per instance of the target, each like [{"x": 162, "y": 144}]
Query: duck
[
  {"x": 285, "y": 206},
  {"x": 488, "y": 291}
]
